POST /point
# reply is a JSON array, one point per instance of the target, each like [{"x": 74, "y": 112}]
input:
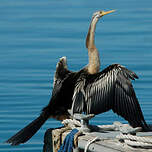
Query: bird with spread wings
[{"x": 89, "y": 91}]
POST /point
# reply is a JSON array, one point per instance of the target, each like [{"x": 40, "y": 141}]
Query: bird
[{"x": 88, "y": 91}]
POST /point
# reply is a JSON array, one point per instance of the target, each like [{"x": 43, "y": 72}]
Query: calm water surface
[{"x": 35, "y": 34}]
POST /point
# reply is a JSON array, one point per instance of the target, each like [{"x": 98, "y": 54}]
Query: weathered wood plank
[{"x": 107, "y": 142}]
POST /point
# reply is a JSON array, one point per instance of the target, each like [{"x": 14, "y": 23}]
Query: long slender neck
[{"x": 94, "y": 59}]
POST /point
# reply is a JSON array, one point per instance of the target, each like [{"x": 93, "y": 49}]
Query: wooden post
[
  {"x": 47, "y": 147},
  {"x": 53, "y": 138}
]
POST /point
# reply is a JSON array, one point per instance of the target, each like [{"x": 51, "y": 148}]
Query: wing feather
[{"x": 112, "y": 89}]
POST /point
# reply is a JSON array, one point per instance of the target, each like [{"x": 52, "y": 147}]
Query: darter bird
[{"x": 89, "y": 91}]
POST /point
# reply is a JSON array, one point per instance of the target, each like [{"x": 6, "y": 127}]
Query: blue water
[{"x": 34, "y": 34}]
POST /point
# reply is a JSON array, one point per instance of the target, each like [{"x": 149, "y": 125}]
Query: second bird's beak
[{"x": 105, "y": 13}]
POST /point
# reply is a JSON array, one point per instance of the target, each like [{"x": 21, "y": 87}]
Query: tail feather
[{"x": 26, "y": 133}]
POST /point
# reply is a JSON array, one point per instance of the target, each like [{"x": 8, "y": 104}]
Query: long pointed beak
[{"x": 105, "y": 13}]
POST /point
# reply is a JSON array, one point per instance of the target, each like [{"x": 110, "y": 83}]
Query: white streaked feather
[{"x": 110, "y": 89}]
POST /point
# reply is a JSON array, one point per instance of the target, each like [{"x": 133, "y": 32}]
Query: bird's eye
[{"x": 98, "y": 15}]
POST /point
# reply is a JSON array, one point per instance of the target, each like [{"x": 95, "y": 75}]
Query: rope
[
  {"x": 138, "y": 144},
  {"x": 68, "y": 142},
  {"x": 135, "y": 138},
  {"x": 57, "y": 136},
  {"x": 71, "y": 123},
  {"x": 136, "y": 141},
  {"x": 90, "y": 142},
  {"x": 76, "y": 138}
]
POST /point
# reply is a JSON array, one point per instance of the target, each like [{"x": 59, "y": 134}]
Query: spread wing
[
  {"x": 61, "y": 74},
  {"x": 109, "y": 89},
  {"x": 60, "y": 100},
  {"x": 61, "y": 71}
]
